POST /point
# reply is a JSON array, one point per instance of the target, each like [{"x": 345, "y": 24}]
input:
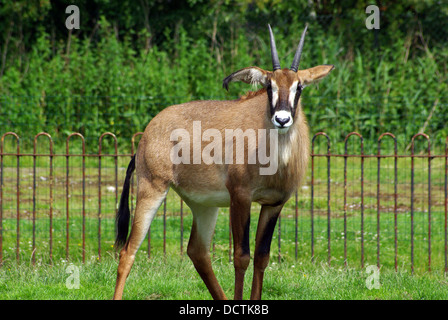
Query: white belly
[{"x": 210, "y": 198}]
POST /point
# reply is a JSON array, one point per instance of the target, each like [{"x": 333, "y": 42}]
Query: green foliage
[{"x": 130, "y": 60}]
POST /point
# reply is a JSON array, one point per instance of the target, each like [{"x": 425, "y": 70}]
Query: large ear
[
  {"x": 315, "y": 74},
  {"x": 252, "y": 75}
]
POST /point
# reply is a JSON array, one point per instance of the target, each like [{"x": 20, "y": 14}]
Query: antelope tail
[{"x": 123, "y": 213}]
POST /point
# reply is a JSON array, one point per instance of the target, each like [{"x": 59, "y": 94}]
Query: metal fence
[{"x": 387, "y": 208}]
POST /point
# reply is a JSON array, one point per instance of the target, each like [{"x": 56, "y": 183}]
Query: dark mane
[{"x": 252, "y": 94}]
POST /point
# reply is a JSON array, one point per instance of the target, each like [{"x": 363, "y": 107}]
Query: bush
[{"x": 116, "y": 79}]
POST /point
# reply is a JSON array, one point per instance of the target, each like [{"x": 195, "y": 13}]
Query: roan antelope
[{"x": 275, "y": 110}]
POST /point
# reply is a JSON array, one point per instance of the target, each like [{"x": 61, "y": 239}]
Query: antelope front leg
[
  {"x": 240, "y": 217},
  {"x": 265, "y": 230}
]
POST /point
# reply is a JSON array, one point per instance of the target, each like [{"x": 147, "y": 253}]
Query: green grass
[{"x": 174, "y": 277}]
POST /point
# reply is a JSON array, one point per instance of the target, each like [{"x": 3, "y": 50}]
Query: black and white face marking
[{"x": 283, "y": 105}]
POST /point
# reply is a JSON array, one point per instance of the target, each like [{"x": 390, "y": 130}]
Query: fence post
[
  {"x": 17, "y": 196},
  {"x": 328, "y": 196},
  {"x": 446, "y": 205},
  {"x": 412, "y": 199},
  {"x": 34, "y": 194},
  {"x": 164, "y": 227},
  {"x": 297, "y": 224},
  {"x": 181, "y": 227},
  {"x": 279, "y": 238},
  {"x": 83, "y": 196},
  {"x": 395, "y": 199},
  {"x": 362, "y": 195},
  {"x": 100, "y": 147},
  {"x": 17, "y": 191}
]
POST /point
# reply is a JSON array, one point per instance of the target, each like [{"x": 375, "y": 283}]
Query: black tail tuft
[{"x": 123, "y": 213}]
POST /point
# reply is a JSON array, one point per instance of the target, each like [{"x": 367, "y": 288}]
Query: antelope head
[{"x": 283, "y": 86}]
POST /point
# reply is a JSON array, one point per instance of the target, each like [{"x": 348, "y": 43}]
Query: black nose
[{"x": 282, "y": 121}]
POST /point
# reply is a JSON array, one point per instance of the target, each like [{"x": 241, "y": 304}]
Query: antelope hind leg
[{"x": 149, "y": 199}]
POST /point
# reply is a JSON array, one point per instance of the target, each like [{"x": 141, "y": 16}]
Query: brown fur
[{"x": 252, "y": 94}]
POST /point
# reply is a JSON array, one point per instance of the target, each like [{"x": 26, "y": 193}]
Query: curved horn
[
  {"x": 274, "y": 55},
  {"x": 295, "y": 62}
]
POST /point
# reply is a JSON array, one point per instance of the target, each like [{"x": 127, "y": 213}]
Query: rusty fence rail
[
  {"x": 15, "y": 186},
  {"x": 354, "y": 208}
]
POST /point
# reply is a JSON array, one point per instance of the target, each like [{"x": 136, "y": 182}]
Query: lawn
[{"x": 175, "y": 278}]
